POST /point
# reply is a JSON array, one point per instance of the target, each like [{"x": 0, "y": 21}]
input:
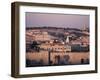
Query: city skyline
[{"x": 56, "y": 20}]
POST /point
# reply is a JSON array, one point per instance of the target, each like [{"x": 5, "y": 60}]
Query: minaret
[
  {"x": 67, "y": 39},
  {"x": 84, "y": 28}
]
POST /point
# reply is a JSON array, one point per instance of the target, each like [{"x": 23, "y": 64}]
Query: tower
[
  {"x": 67, "y": 39},
  {"x": 84, "y": 28}
]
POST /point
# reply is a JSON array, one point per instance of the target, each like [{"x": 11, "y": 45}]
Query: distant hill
[
  {"x": 55, "y": 31},
  {"x": 44, "y": 27}
]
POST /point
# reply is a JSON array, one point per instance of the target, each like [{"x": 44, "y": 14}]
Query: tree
[{"x": 35, "y": 46}]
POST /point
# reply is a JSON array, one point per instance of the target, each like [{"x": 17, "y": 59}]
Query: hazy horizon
[{"x": 56, "y": 20}]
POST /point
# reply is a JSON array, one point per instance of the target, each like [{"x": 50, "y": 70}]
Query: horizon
[{"x": 57, "y": 27}]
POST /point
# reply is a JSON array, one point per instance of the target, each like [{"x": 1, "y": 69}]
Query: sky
[{"x": 56, "y": 20}]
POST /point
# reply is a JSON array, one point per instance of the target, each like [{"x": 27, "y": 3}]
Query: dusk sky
[{"x": 56, "y": 20}]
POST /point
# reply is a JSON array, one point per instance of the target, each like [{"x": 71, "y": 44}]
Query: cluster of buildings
[
  {"x": 52, "y": 49},
  {"x": 49, "y": 42}
]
